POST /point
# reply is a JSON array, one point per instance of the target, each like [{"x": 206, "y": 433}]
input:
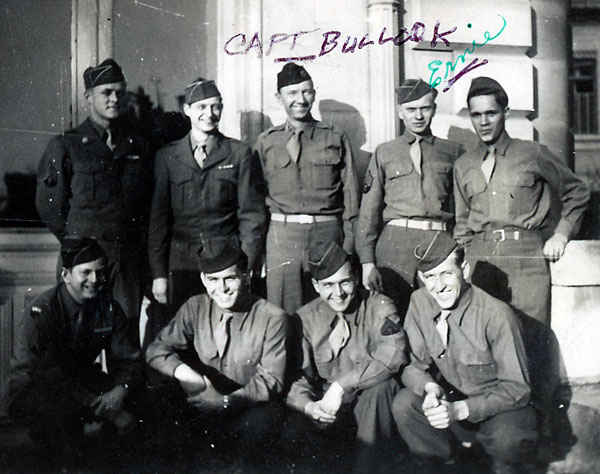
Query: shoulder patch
[
  {"x": 391, "y": 325},
  {"x": 368, "y": 182}
]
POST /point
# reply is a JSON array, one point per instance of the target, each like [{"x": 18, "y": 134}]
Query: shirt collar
[
  {"x": 308, "y": 129},
  {"x": 410, "y": 137},
  {"x": 500, "y": 146},
  {"x": 210, "y": 143},
  {"x": 242, "y": 311}
]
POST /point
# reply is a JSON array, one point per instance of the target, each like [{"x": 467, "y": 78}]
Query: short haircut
[{"x": 499, "y": 95}]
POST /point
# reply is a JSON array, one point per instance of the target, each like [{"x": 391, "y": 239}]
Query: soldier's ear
[
  {"x": 315, "y": 284},
  {"x": 65, "y": 274},
  {"x": 506, "y": 112},
  {"x": 466, "y": 269},
  {"x": 186, "y": 109}
]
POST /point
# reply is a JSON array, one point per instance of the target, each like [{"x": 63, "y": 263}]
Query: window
[{"x": 584, "y": 93}]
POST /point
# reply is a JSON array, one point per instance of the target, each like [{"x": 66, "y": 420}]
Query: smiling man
[
  {"x": 207, "y": 187},
  {"x": 311, "y": 188},
  {"x": 234, "y": 382},
  {"x": 407, "y": 195},
  {"x": 55, "y": 387},
  {"x": 95, "y": 181},
  {"x": 468, "y": 371},
  {"x": 352, "y": 347}
]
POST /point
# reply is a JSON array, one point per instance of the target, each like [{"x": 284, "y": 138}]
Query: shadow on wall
[
  {"x": 347, "y": 118},
  {"x": 252, "y": 123}
]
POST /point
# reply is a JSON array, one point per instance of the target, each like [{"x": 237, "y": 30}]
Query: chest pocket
[
  {"x": 227, "y": 180},
  {"x": 522, "y": 194},
  {"x": 474, "y": 183},
  {"x": 246, "y": 360},
  {"x": 182, "y": 191},
  {"x": 325, "y": 167},
  {"x": 476, "y": 367},
  {"x": 401, "y": 181},
  {"x": 442, "y": 176},
  {"x": 279, "y": 173},
  {"x": 95, "y": 183}
]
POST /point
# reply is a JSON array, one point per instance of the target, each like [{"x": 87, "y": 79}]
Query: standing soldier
[
  {"x": 503, "y": 190},
  {"x": 95, "y": 181},
  {"x": 311, "y": 188},
  {"x": 407, "y": 195},
  {"x": 207, "y": 187}
]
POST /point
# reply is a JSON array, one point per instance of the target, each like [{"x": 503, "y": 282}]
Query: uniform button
[{"x": 493, "y": 193}]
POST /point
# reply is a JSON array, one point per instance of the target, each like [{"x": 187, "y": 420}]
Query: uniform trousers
[
  {"x": 509, "y": 436},
  {"x": 368, "y": 415},
  {"x": 397, "y": 264},
  {"x": 288, "y": 278},
  {"x": 516, "y": 272}
]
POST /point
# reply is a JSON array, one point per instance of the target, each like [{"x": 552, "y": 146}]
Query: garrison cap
[
  {"x": 414, "y": 89},
  {"x": 107, "y": 72},
  {"x": 292, "y": 74},
  {"x": 434, "y": 251},
  {"x": 326, "y": 258},
  {"x": 200, "y": 89},
  {"x": 75, "y": 251},
  {"x": 487, "y": 86},
  {"x": 218, "y": 254}
]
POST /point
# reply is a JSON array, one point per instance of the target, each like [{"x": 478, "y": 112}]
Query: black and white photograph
[{"x": 300, "y": 236}]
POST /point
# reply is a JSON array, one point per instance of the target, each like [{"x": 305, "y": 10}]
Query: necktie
[
  {"x": 109, "y": 140},
  {"x": 222, "y": 333},
  {"x": 489, "y": 162},
  {"x": 200, "y": 155},
  {"x": 294, "y": 146},
  {"x": 415, "y": 154},
  {"x": 442, "y": 326},
  {"x": 339, "y": 336}
]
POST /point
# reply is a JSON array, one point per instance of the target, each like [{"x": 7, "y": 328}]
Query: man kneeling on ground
[
  {"x": 56, "y": 388},
  {"x": 352, "y": 346},
  {"x": 236, "y": 376},
  {"x": 468, "y": 369}
]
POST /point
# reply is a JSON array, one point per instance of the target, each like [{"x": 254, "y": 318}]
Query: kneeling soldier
[
  {"x": 468, "y": 369},
  {"x": 55, "y": 386},
  {"x": 239, "y": 341},
  {"x": 352, "y": 346}
]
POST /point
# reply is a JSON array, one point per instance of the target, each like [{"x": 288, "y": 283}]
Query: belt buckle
[{"x": 502, "y": 235}]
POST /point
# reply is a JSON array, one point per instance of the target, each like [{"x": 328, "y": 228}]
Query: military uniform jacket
[
  {"x": 322, "y": 182},
  {"x": 393, "y": 189},
  {"x": 85, "y": 189},
  {"x": 54, "y": 353},
  {"x": 254, "y": 358},
  {"x": 375, "y": 351},
  {"x": 192, "y": 204},
  {"x": 484, "y": 357},
  {"x": 519, "y": 193}
]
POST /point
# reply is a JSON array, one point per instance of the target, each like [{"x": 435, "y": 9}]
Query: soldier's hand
[
  {"x": 554, "y": 248},
  {"x": 191, "y": 381},
  {"x": 109, "y": 402},
  {"x": 332, "y": 400},
  {"x": 159, "y": 290},
  {"x": 371, "y": 277},
  {"x": 207, "y": 401},
  {"x": 433, "y": 394},
  {"x": 316, "y": 413}
]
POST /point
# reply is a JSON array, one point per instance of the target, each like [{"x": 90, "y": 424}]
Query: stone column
[
  {"x": 383, "y": 72},
  {"x": 551, "y": 59},
  {"x": 91, "y": 42},
  {"x": 240, "y": 77}
]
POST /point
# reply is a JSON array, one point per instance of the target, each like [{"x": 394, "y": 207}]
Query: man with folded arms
[
  {"x": 468, "y": 370},
  {"x": 352, "y": 347},
  {"x": 312, "y": 188},
  {"x": 407, "y": 196},
  {"x": 55, "y": 386},
  {"x": 234, "y": 382}
]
